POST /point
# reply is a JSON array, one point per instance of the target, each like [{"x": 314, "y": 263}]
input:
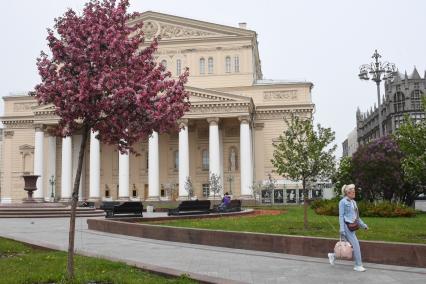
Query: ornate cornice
[{"x": 272, "y": 112}]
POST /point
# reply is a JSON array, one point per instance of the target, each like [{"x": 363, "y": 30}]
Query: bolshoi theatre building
[{"x": 235, "y": 117}]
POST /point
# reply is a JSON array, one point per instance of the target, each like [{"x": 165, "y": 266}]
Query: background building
[
  {"x": 402, "y": 96},
  {"x": 350, "y": 145}
]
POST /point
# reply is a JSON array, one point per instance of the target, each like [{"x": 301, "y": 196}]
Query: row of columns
[{"x": 70, "y": 154}]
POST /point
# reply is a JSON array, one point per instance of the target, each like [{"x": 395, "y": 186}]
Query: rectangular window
[
  {"x": 210, "y": 65},
  {"x": 228, "y": 64},
  {"x": 416, "y": 86},
  {"x": 206, "y": 190},
  {"x": 178, "y": 67},
  {"x": 236, "y": 64}
]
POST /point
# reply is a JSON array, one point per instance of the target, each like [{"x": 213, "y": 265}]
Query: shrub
[{"x": 366, "y": 209}]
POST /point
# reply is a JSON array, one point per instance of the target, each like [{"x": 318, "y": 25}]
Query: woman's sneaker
[
  {"x": 359, "y": 268},
  {"x": 331, "y": 258}
]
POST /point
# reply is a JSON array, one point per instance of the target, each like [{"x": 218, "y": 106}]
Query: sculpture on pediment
[
  {"x": 150, "y": 29},
  {"x": 172, "y": 31}
]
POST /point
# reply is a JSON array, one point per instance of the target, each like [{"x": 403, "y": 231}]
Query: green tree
[
  {"x": 343, "y": 175},
  {"x": 411, "y": 138},
  {"x": 303, "y": 153}
]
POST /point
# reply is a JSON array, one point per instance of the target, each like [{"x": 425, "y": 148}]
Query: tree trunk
[
  {"x": 305, "y": 206},
  {"x": 74, "y": 200}
]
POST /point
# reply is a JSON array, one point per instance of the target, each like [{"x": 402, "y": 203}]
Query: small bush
[{"x": 366, "y": 209}]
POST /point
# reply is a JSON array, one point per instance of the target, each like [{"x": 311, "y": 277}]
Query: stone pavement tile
[{"x": 233, "y": 264}]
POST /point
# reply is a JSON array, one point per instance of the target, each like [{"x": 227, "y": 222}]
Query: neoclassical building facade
[{"x": 234, "y": 118}]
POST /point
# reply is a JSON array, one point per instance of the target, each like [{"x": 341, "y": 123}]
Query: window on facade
[
  {"x": 398, "y": 121},
  {"x": 202, "y": 66},
  {"x": 206, "y": 190},
  {"x": 398, "y": 87},
  {"x": 399, "y": 101},
  {"x": 176, "y": 159},
  {"x": 164, "y": 63},
  {"x": 210, "y": 65},
  {"x": 205, "y": 158},
  {"x": 236, "y": 64},
  {"x": 416, "y": 99},
  {"x": 416, "y": 86},
  {"x": 162, "y": 193},
  {"x": 228, "y": 64},
  {"x": 178, "y": 67}
]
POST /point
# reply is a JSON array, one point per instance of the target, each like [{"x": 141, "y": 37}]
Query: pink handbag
[{"x": 343, "y": 249}]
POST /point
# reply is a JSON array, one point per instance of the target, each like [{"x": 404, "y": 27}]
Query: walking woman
[{"x": 349, "y": 222}]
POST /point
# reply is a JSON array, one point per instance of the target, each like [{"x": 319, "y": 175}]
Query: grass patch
[
  {"x": 20, "y": 263},
  {"x": 290, "y": 222}
]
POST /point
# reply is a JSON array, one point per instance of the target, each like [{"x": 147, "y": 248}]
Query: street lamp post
[
  {"x": 377, "y": 71},
  {"x": 52, "y": 184}
]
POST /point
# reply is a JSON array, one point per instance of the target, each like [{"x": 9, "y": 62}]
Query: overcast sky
[{"x": 324, "y": 42}]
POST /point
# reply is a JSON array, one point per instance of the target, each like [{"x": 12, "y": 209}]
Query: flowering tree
[
  {"x": 411, "y": 138},
  {"x": 377, "y": 169},
  {"x": 99, "y": 78},
  {"x": 215, "y": 184},
  {"x": 303, "y": 153}
]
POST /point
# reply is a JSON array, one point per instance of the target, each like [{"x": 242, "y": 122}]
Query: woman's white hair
[{"x": 346, "y": 188}]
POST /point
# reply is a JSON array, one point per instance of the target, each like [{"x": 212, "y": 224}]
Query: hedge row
[{"x": 366, "y": 209}]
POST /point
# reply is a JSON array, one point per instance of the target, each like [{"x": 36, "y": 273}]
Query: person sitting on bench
[{"x": 226, "y": 200}]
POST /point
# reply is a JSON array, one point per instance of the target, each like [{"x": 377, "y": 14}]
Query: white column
[
  {"x": 76, "y": 151},
  {"x": 222, "y": 175},
  {"x": 214, "y": 149},
  {"x": 39, "y": 163},
  {"x": 153, "y": 168},
  {"x": 183, "y": 158},
  {"x": 123, "y": 176},
  {"x": 66, "y": 169},
  {"x": 214, "y": 157},
  {"x": 95, "y": 168},
  {"x": 245, "y": 158},
  {"x": 51, "y": 167}
]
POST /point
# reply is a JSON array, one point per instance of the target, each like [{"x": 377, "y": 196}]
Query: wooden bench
[
  {"x": 189, "y": 207},
  {"x": 233, "y": 206},
  {"x": 128, "y": 208},
  {"x": 108, "y": 206}
]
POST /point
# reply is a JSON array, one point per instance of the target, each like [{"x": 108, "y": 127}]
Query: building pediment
[
  {"x": 199, "y": 95},
  {"x": 170, "y": 27}
]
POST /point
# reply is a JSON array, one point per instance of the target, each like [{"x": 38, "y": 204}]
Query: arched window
[
  {"x": 205, "y": 159},
  {"x": 399, "y": 101},
  {"x": 202, "y": 66},
  {"x": 416, "y": 99},
  {"x": 228, "y": 64},
  {"x": 164, "y": 63},
  {"x": 176, "y": 160},
  {"x": 210, "y": 65},
  {"x": 178, "y": 67},
  {"x": 236, "y": 64}
]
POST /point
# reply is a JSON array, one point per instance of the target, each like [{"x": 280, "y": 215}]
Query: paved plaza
[{"x": 221, "y": 263}]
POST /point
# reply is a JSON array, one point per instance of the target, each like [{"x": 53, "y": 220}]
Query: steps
[{"x": 22, "y": 211}]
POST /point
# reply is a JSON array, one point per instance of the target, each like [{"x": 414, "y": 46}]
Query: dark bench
[
  {"x": 108, "y": 206},
  {"x": 86, "y": 204},
  {"x": 190, "y": 207},
  {"x": 133, "y": 208},
  {"x": 233, "y": 206}
]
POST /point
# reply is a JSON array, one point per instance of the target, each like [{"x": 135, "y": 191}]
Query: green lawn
[
  {"x": 20, "y": 263},
  {"x": 408, "y": 230}
]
